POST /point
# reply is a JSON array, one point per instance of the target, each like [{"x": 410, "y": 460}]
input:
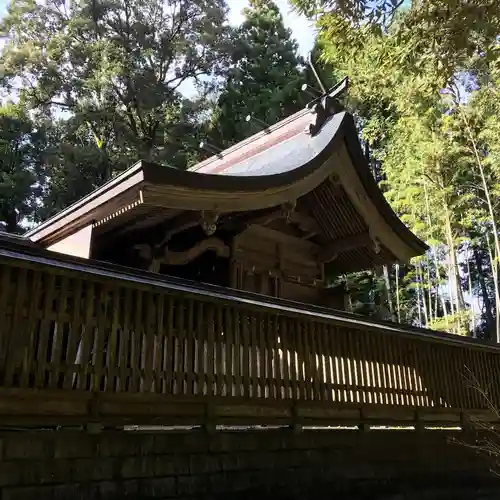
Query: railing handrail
[{"x": 19, "y": 251}]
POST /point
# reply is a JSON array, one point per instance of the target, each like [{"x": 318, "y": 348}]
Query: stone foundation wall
[{"x": 325, "y": 464}]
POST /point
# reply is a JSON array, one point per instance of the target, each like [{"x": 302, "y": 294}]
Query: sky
[{"x": 301, "y": 28}]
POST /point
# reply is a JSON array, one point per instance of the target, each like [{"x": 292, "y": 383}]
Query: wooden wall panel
[{"x": 77, "y": 244}]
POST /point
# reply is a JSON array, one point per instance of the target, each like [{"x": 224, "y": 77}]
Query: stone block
[
  {"x": 158, "y": 487},
  {"x": 75, "y": 445},
  {"x": 34, "y": 472},
  {"x": 53, "y": 492},
  {"x": 204, "y": 463},
  {"x": 11, "y": 473},
  {"x": 81, "y": 491},
  {"x": 27, "y": 445},
  {"x": 107, "y": 489},
  {"x": 195, "y": 441},
  {"x": 92, "y": 469},
  {"x": 230, "y": 462},
  {"x": 171, "y": 465},
  {"x": 130, "y": 488},
  {"x": 120, "y": 444},
  {"x": 193, "y": 485},
  {"x": 26, "y": 493},
  {"x": 138, "y": 467}
]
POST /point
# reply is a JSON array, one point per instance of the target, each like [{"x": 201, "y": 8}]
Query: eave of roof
[{"x": 270, "y": 168}]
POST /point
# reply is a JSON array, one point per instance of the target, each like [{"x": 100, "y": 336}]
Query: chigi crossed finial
[{"x": 327, "y": 104}]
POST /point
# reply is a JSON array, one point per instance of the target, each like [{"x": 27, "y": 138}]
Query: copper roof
[{"x": 278, "y": 165}]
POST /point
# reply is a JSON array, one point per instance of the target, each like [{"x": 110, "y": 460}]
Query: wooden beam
[
  {"x": 305, "y": 223},
  {"x": 334, "y": 249},
  {"x": 172, "y": 258}
]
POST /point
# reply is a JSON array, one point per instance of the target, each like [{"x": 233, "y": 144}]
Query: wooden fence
[{"x": 84, "y": 342}]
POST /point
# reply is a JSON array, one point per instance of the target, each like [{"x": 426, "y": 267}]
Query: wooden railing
[{"x": 83, "y": 342}]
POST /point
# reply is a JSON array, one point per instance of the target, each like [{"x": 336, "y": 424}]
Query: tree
[
  {"x": 448, "y": 32},
  {"x": 115, "y": 68},
  {"x": 265, "y": 77},
  {"x": 436, "y": 156},
  {"x": 21, "y": 167}
]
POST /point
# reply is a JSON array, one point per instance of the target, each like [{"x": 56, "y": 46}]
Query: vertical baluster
[
  {"x": 6, "y": 316},
  {"x": 359, "y": 367},
  {"x": 415, "y": 347},
  {"x": 83, "y": 352},
  {"x": 170, "y": 345},
  {"x": 269, "y": 341},
  {"x": 320, "y": 367},
  {"x": 15, "y": 337},
  {"x": 275, "y": 340},
  {"x": 220, "y": 359},
  {"x": 136, "y": 342},
  {"x": 237, "y": 341},
  {"x": 401, "y": 366},
  {"x": 480, "y": 362},
  {"x": 376, "y": 340},
  {"x": 286, "y": 359},
  {"x": 422, "y": 369},
  {"x": 462, "y": 373},
  {"x": 468, "y": 372},
  {"x": 264, "y": 378},
  {"x": 308, "y": 359},
  {"x": 395, "y": 372},
  {"x": 61, "y": 320},
  {"x": 327, "y": 351},
  {"x": 111, "y": 351},
  {"x": 159, "y": 335},
  {"x": 371, "y": 352},
  {"x": 254, "y": 376},
  {"x": 45, "y": 331},
  {"x": 406, "y": 350},
  {"x": 210, "y": 318},
  {"x": 148, "y": 341},
  {"x": 350, "y": 367},
  {"x": 124, "y": 350},
  {"x": 32, "y": 323},
  {"x": 385, "y": 369},
  {"x": 180, "y": 345},
  {"x": 99, "y": 338},
  {"x": 247, "y": 380},
  {"x": 190, "y": 348},
  {"x": 333, "y": 344},
  {"x": 458, "y": 388},
  {"x": 229, "y": 371},
  {"x": 201, "y": 347},
  {"x": 300, "y": 359},
  {"x": 493, "y": 382}
]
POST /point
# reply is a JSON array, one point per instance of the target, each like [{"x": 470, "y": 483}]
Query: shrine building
[{"x": 274, "y": 214}]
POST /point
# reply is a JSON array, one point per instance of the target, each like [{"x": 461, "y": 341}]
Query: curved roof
[{"x": 276, "y": 166}]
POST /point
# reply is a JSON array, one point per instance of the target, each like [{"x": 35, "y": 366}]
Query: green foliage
[
  {"x": 264, "y": 79},
  {"x": 424, "y": 87},
  {"x": 103, "y": 83},
  {"x": 21, "y": 167},
  {"x": 116, "y": 68}
]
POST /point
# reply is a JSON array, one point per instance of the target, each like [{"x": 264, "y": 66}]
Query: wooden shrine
[
  {"x": 273, "y": 214},
  {"x": 201, "y": 297}
]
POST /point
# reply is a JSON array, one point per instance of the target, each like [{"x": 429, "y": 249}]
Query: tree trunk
[
  {"x": 488, "y": 306},
  {"x": 388, "y": 292},
  {"x": 495, "y": 256}
]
